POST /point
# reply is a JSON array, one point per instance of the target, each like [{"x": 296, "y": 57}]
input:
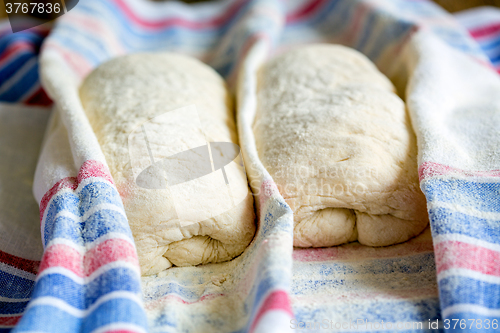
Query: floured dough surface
[
  {"x": 126, "y": 92},
  {"x": 339, "y": 144}
]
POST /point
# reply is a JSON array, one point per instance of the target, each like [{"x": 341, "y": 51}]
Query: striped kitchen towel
[
  {"x": 88, "y": 278},
  {"x": 21, "y": 131},
  {"x": 483, "y": 24},
  {"x": 19, "y": 81}
]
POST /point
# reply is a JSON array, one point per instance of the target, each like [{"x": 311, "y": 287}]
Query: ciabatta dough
[
  {"x": 339, "y": 144},
  {"x": 125, "y": 92}
]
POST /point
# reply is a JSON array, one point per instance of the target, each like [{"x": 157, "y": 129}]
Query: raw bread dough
[
  {"x": 339, "y": 144},
  {"x": 126, "y": 92}
]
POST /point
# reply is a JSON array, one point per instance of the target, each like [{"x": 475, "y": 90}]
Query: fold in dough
[
  {"x": 126, "y": 92},
  {"x": 339, "y": 144}
]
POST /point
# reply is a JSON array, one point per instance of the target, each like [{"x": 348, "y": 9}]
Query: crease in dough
[{"x": 339, "y": 144}]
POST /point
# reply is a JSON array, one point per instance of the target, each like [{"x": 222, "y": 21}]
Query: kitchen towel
[{"x": 88, "y": 278}]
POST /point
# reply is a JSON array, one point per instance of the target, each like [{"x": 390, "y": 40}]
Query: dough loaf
[
  {"x": 126, "y": 92},
  {"x": 339, "y": 144}
]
